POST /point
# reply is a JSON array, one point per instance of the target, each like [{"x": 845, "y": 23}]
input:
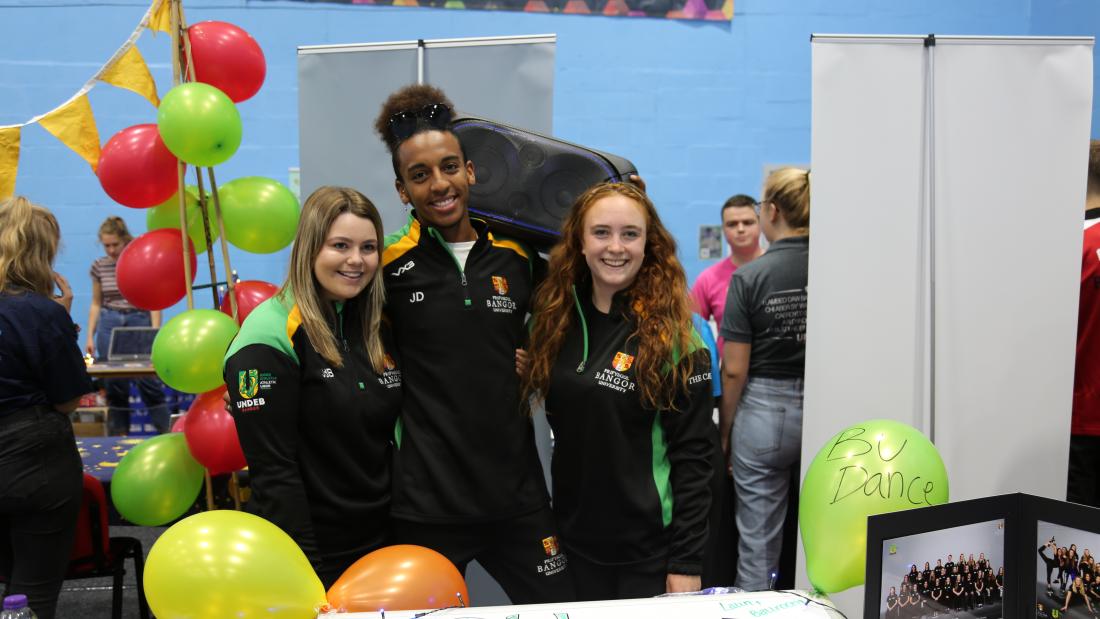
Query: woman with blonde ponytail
[
  {"x": 42, "y": 377},
  {"x": 763, "y": 363}
]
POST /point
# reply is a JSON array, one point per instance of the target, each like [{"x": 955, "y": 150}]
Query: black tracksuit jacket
[
  {"x": 317, "y": 438},
  {"x": 466, "y": 452},
  {"x": 631, "y": 484}
]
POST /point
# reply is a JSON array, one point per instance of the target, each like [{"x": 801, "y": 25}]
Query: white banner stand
[{"x": 948, "y": 185}]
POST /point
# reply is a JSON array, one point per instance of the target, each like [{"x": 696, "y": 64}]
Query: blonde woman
[
  {"x": 315, "y": 391},
  {"x": 1077, "y": 586},
  {"x": 764, "y": 359},
  {"x": 42, "y": 377}
]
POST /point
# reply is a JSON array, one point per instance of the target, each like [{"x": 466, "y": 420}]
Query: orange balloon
[{"x": 402, "y": 577}]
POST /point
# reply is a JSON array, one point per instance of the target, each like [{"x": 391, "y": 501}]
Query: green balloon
[
  {"x": 157, "y": 481},
  {"x": 199, "y": 124},
  {"x": 167, "y": 215},
  {"x": 260, "y": 214},
  {"x": 188, "y": 351},
  {"x": 870, "y": 468}
]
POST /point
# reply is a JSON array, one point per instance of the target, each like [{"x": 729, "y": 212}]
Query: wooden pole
[
  {"x": 225, "y": 244},
  {"x": 209, "y": 241},
  {"x": 186, "y": 40},
  {"x": 209, "y": 490},
  {"x": 235, "y": 490},
  {"x": 175, "y": 13}
]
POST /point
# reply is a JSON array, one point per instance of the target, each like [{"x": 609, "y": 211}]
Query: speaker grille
[{"x": 528, "y": 181}]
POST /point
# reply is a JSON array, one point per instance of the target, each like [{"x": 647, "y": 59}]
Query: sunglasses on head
[{"x": 435, "y": 116}]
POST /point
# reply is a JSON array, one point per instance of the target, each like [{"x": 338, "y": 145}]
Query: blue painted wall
[{"x": 699, "y": 107}]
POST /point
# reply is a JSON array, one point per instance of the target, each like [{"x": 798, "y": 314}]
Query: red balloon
[
  {"x": 180, "y": 424},
  {"x": 250, "y": 293},
  {"x": 136, "y": 169},
  {"x": 212, "y": 435},
  {"x": 150, "y": 269},
  {"x": 227, "y": 58},
  {"x": 402, "y": 577}
]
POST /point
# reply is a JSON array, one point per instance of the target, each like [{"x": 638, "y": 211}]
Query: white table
[{"x": 770, "y": 604}]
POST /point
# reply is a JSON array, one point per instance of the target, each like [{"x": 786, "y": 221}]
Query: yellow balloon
[{"x": 226, "y": 563}]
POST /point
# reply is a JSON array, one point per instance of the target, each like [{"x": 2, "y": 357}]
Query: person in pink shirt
[{"x": 741, "y": 227}]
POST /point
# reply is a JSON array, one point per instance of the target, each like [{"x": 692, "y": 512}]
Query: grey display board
[
  {"x": 341, "y": 89},
  {"x": 934, "y": 167}
]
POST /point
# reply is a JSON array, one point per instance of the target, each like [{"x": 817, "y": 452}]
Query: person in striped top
[{"x": 109, "y": 309}]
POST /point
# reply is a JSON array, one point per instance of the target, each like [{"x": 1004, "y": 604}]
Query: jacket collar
[
  {"x": 423, "y": 231},
  {"x": 621, "y": 307}
]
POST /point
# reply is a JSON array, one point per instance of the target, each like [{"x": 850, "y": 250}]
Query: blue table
[{"x": 101, "y": 454}]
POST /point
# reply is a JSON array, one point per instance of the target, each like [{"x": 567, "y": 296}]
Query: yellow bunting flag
[
  {"x": 9, "y": 160},
  {"x": 161, "y": 19},
  {"x": 131, "y": 72},
  {"x": 74, "y": 124}
]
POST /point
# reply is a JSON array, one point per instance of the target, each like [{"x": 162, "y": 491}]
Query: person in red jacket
[{"x": 1084, "y": 444}]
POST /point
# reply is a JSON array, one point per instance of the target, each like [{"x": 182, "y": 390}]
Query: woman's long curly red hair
[{"x": 658, "y": 300}]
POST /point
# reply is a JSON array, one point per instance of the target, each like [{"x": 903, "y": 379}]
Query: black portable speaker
[{"x": 526, "y": 182}]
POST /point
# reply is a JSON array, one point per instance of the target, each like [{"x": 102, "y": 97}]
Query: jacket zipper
[
  {"x": 584, "y": 331},
  {"x": 466, "y": 302},
  {"x": 340, "y": 325}
]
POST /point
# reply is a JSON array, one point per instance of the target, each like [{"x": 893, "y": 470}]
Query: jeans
[
  {"x": 766, "y": 441},
  {"x": 41, "y": 483},
  {"x": 118, "y": 389}
]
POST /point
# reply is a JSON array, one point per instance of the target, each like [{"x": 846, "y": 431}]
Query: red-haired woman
[{"x": 627, "y": 386}]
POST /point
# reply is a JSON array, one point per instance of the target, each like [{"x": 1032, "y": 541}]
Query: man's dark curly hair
[{"x": 411, "y": 97}]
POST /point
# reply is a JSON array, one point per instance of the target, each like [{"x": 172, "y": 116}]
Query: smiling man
[{"x": 467, "y": 480}]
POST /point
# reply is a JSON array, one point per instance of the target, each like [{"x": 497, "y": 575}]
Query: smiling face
[
  {"x": 348, "y": 258},
  {"x": 613, "y": 244},
  {"x": 435, "y": 180},
  {"x": 112, "y": 245}
]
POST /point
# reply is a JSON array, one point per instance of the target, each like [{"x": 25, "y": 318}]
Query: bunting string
[{"x": 73, "y": 122}]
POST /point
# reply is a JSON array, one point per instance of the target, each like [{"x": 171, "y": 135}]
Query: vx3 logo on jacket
[{"x": 405, "y": 267}]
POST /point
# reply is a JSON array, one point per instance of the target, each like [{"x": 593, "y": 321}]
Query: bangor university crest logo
[
  {"x": 387, "y": 363},
  {"x": 248, "y": 383},
  {"x": 500, "y": 285},
  {"x": 622, "y": 361},
  {"x": 550, "y": 545}
]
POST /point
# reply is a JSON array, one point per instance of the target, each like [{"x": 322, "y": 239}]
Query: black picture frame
[
  {"x": 927, "y": 520},
  {"x": 1040, "y": 511}
]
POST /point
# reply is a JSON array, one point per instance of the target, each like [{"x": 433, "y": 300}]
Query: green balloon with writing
[{"x": 869, "y": 468}]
